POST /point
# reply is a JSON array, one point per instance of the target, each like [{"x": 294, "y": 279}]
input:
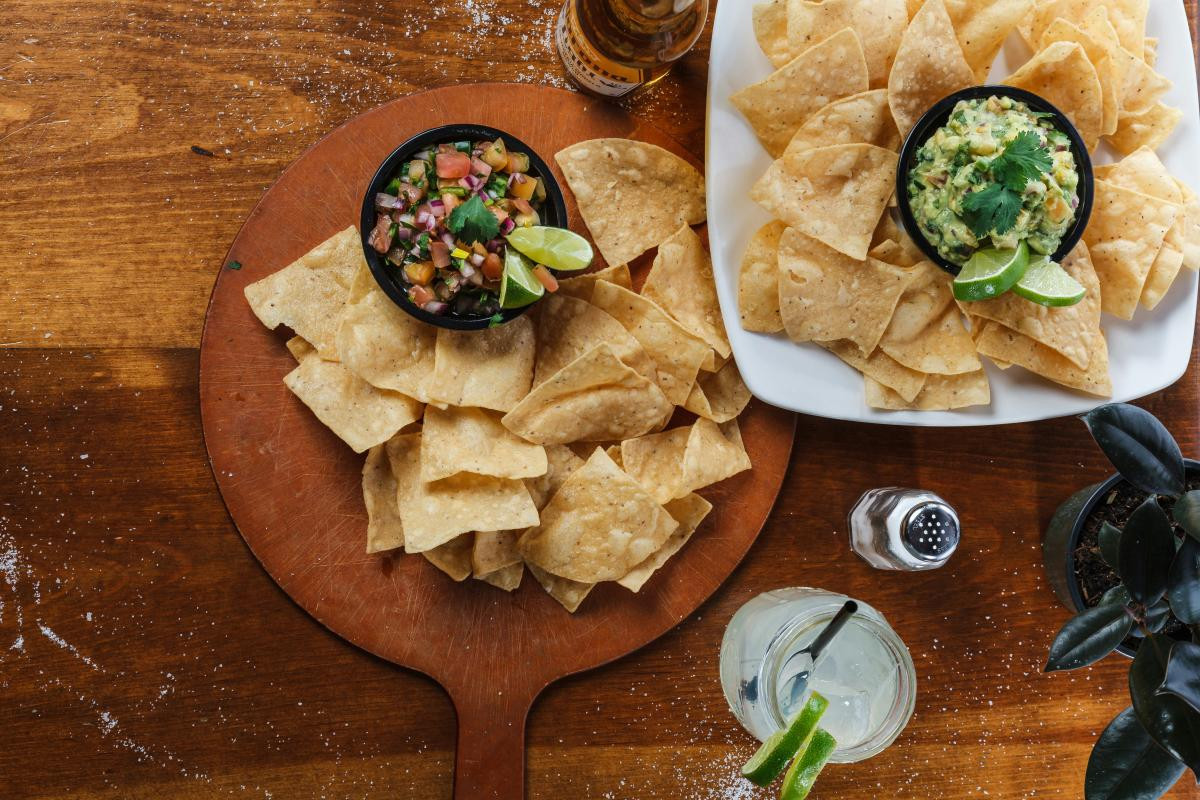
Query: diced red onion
[
  {"x": 435, "y": 307},
  {"x": 466, "y": 270},
  {"x": 423, "y": 216},
  {"x": 476, "y": 259},
  {"x": 403, "y": 234},
  {"x": 494, "y": 246},
  {"x": 437, "y": 208},
  {"x": 407, "y": 219},
  {"x": 507, "y": 226},
  {"x": 422, "y": 156},
  {"x": 481, "y": 167},
  {"x": 386, "y": 201},
  {"x": 448, "y": 238}
]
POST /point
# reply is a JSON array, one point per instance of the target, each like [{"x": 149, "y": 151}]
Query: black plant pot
[{"x": 1062, "y": 537}]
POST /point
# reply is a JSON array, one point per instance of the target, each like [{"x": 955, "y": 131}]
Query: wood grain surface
[{"x": 143, "y": 651}]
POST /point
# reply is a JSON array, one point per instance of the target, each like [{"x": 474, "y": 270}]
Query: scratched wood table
[{"x": 143, "y": 651}]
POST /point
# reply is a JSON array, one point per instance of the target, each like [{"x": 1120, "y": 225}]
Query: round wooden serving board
[{"x": 294, "y": 490}]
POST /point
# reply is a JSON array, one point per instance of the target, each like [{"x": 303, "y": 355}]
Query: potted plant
[{"x": 1125, "y": 554}]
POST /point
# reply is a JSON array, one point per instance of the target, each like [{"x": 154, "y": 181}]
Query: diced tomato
[
  {"x": 453, "y": 165},
  {"x": 481, "y": 167},
  {"x": 522, "y": 186},
  {"x": 420, "y": 273},
  {"x": 499, "y": 213},
  {"x": 492, "y": 267},
  {"x": 420, "y": 295},
  {"x": 440, "y": 254},
  {"x": 548, "y": 280}
]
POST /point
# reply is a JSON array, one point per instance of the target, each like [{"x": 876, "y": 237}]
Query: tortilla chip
[
  {"x": 982, "y": 26},
  {"x": 435, "y": 513},
  {"x": 620, "y": 185},
  {"x": 581, "y": 286},
  {"x": 1149, "y": 128},
  {"x": 493, "y": 551},
  {"x": 929, "y": 66},
  {"x": 472, "y": 440},
  {"x": 673, "y": 463},
  {"x": 1129, "y": 19},
  {"x": 677, "y": 353},
  {"x": 568, "y": 327},
  {"x": 453, "y": 557},
  {"x": 1097, "y": 51},
  {"x": 381, "y": 343},
  {"x": 877, "y": 23},
  {"x": 880, "y": 367},
  {"x": 490, "y": 368},
  {"x": 860, "y": 118},
  {"x": 999, "y": 342},
  {"x": 570, "y": 594},
  {"x": 758, "y": 281},
  {"x": 507, "y": 578},
  {"x": 719, "y": 396},
  {"x": 599, "y": 525},
  {"x": 926, "y": 333},
  {"x": 825, "y": 296},
  {"x": 385, "y": 531},
  {"x": 689, "y": 511},
  {"x": 308, "y": 294},
  {"x": 681, "y": 280},
  {"x": 1190, "y": 228},
  {"x": 1162, "y": 274},
  {"x": 1067, "y": 330},
  {"x": 778, "y": 105},
  {"x": 562, "y": 462},
  {"x": 1122, "y": 16},
  {"x": 1150, "y": 50},
  {"x": 299, "y": 348},
  {"x": 835, "y": 194},
  {"x": 1124, "y": 236},
  {"x": 770, "y": 29},
  {"x": 1143, "y": 86},
  {"x": 361, "y": 415},
  {"x": 595, "y": 398},
  {"x": 940, "y": 393},
  {"x": 1143, "y": 171},
  {"x": 1063, "y": 75}
]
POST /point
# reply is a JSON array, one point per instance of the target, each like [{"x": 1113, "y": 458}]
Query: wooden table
[{"x": 144, "y": 653}]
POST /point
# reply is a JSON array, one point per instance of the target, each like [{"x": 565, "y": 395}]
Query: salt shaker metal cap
[{"x": 903, "y": 529}]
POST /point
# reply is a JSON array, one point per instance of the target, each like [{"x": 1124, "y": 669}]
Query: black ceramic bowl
[
  {"x": 939, "y": 115},
  {"x": 554, "y": 213}
]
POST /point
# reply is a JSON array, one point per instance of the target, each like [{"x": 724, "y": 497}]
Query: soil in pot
[{"x": 1093, "y": 575}]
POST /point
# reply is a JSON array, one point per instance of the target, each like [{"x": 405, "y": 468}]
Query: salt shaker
[{"x": 903, "y": 529}]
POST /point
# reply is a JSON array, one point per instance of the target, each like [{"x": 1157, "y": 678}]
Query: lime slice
[
  {"x": 804, "y": 770},
  {"x": 518, "y": 285},
  {"x": 991, "y": 272},
  {"x": 781, "y": 747},
  {"x": 557, "y": 248},
  {"x": 1047, "y": 283}
]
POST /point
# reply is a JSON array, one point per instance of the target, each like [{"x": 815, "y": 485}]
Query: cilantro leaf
[
  {"x": 473, "y": 222},
  {"x": 992, "y": 209},
  {"x": 1024, "y": 159}
]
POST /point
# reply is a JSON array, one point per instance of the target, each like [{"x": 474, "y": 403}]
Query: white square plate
[{"x": 1147, "y": 354}]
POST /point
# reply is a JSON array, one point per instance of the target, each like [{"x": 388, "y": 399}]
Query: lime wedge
[
  {"x": 781, "y": 747},
  {"x": 1047, "y": 283},
  {"x": 991, "y": 272},
  {"x": 801, "y": 776},
  {"x": 557, "y": 248},
  {"x": 518, "y": 285}
]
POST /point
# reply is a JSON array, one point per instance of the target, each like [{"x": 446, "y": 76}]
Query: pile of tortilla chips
[
  {"x": 852, "y": 77},
  {"x": 542, "y": 442}
]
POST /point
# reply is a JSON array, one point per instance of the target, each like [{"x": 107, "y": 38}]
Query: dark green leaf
[
  {"x": 1089, "y": 637},
  {"x": 1155, "y": 618},
  {"x": 1117, "y": 594},
  {"x": 1168, "y": 720},
  {"x": 992, "y": 209},
  {"x": 1139, "y": 447},
  {"x": 1110, "y": 543},
  {"x": 1183, "y": 584},
  {"x": 235, "y": 265},
  {"x": 1024, "y": 159},
  {"x": 1126, "y": 764},
  {"x": 1146, "y": 551},
  {"x": 473, "y": 222},
  {"x": 1187, "y": 513},
  {"x": 1182, "y": 678}
]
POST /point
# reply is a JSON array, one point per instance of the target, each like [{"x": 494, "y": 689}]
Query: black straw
[{"x": 832, "y": 628}]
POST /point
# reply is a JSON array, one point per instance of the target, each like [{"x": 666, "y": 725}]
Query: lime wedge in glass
[
  {"x": 518, "y": 285},
  {"x": 801, "y": 776},
  {"x": 782, "y": 746},
  {"x": 991, "y": 272},
  {"x": 1047, "y": 283},
  {"x": 557, "y": 248}
]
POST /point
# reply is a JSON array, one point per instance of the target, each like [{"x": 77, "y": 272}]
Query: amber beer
[{"x": 612, "y": 47}]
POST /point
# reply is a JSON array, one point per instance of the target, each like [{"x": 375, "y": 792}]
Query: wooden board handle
[{"x": 490, "y": 760}]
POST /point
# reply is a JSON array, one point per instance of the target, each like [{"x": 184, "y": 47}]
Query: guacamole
[{"x": 996, "y": 174}]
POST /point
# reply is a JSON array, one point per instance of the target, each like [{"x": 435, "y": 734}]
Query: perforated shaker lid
[{"x": 931, "y": 531}]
